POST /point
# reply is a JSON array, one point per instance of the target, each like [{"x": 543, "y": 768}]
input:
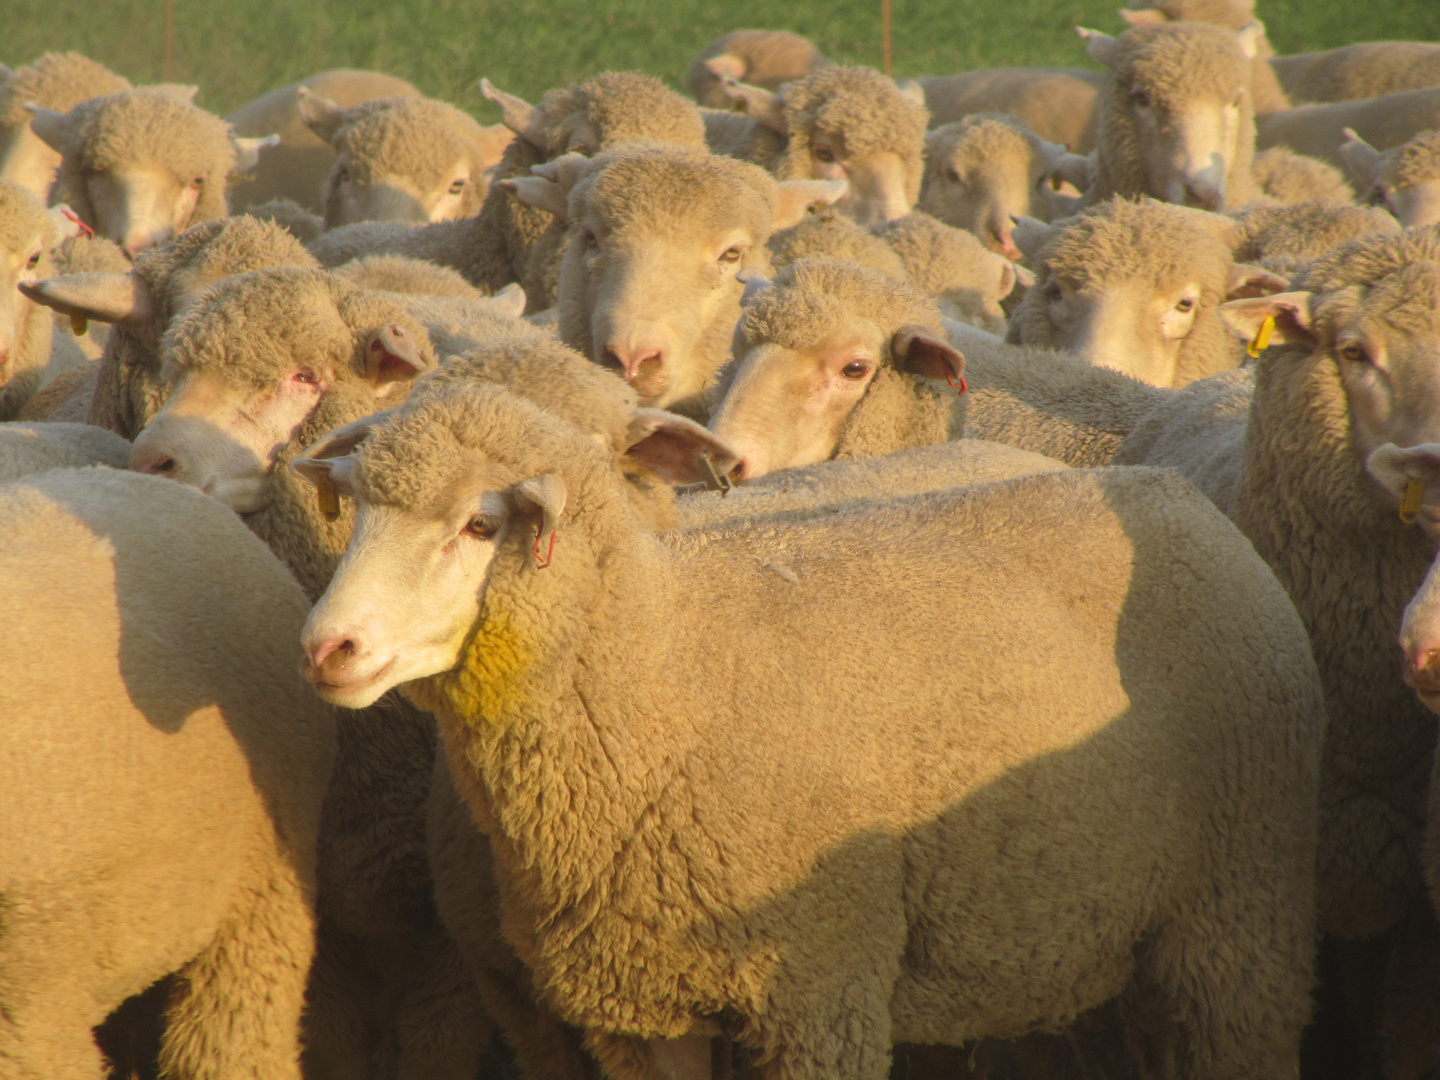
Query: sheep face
[
  {"x": 27, "y": 232},
  {"x": 27, "y": 162},
  {"x": 138, "y": 207},
  {"x": 808, "y": 352},
  {"x": 1395, "y": 468},
  {"x": 1187, "y": 146},
  {"x": 983, "y": 172},
  {"x": 1404, "y": 180},
  {"x": 238, "y": 399},
  {"x": 358, "y": 192},
  {"x": 1414, "y": 205}
]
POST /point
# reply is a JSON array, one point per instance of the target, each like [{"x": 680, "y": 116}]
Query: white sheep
[
  {"x": 1057, "y": 104},
  {"x": 1319, "y": 130},
  {"x": 33, "y": 448},
  {"x": 162, "y": 769},
  {"x": 1365, "y": 70},
  {"x": 1405, "y": 178},
  {"x": 765, "y": 58},
  {"x": 58, "y": 81},
  {"x": 881, "y": 884}
]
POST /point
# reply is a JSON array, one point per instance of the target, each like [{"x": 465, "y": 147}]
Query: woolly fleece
[
  {"x": 58, "y": 81},
  {"x": 768, "y": 58},
  {"x": 34, "y": 448},
  {"x": 1288, "y": 177},
  {"x": 24, "y": 223},
  {"x": 1366, "y": 70},
  {"x": 1286, "y": 239}
]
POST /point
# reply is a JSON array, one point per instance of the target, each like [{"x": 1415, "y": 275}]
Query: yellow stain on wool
[{"x": 485, "y": 687}]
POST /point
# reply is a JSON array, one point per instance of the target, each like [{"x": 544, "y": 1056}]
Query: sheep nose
[
  {"x": 152, "y": 460},
  {"x": 327, "y": 656},
  {"x": 741, "y": 472},
  {"x": 642, "y": 366}
]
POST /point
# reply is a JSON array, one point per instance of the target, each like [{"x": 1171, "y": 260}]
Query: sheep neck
[{"x": 1350, "y": 568}]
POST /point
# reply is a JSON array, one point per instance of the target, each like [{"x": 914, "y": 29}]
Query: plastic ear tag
[
  {"x": 1410, "y": 504},
  {"x": 79, "y": 324},
  {"x": 329, "y": 498},
  {"x": 714, "y": 481},
  {"x": 1262, "y": 337}
]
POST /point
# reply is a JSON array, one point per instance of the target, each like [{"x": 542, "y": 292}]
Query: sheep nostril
[
  {"x": 740, "y": 471},
  {"x": 163, "y": 467}
]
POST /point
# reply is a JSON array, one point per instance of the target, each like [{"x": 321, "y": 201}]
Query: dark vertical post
[
  {"x": 170, "y": 40},
  {"x": 885, "y": 33}
]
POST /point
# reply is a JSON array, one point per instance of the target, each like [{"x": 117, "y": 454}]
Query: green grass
[{"x": 239, "y": 49}]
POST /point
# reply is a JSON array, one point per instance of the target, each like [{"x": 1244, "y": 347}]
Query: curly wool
[
  {"x": 148, "y": 128},
  {"x": 1282, "y": 174},
  {"x": 23, "y": 221},
  {"x": 1173, "y": 63},
  {"x": 1416, "y": 162},
  {"x": 417, "y": 138},
  {"x": 943, "y": 261},
  {"x": 401, "y": 274},
  {"x": 771, "y": 58},
  {"x": 1284, "y": 239},
  {"x": 976, "y": 140},
  {"x": 57, "y": 81},
  {"x": 833, "y": 235}
]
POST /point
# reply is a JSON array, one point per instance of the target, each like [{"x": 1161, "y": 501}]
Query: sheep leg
[
  {"x": 442, "y": 1024},
  {"x": 341, "y": 1016},
  {"x": 1409, "y": 1006},
  {"x": 235, "y": 1010},
  {"x": 43, "y": 1037}
]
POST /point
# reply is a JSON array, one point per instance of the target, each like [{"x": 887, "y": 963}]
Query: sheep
[
  {"x": 840, "y": 123},
  {"x": 1403, "y": 471},
  {"x": 1366, "y": 70},
  {"x": 1319, "y": 130},
  {"x": 1301, "y": 494},
  {"x": 765, "y": 58},
  {"x": 142, "y": 165},
  {"x": 58, "y": 81},
  {"x": 835, "y": 360},
  {"x": 28, "y": 355},
  {"x": 290, "y": 216},
  {"x": 509, "y": 241},
  {"x": 1234, "y": 15},
  {"x": 640, "y": 920},
  {"x": 988, "y": 169},
  {"x": 657, "y": 237},
  {"x": 403, "y": 159},
  {"x": 1136, "y": 286},
  {"x": 276, "y": 357},
  {"x": 297, "y": 167},
  {"x": 948, "y": 264},
  {"x": 33, "y": 448},
  {"x": 1288, "y": 177},
  {"x": 1405, "y": 178},
  {"x": 1284, "y": 239},
  {"x": 1057, "y": 104},
  {"x": 129, "y": 389},
  {"x": 159, "y": 624}
]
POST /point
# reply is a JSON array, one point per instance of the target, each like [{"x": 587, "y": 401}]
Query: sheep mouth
[{"x": 326, "y": 687}]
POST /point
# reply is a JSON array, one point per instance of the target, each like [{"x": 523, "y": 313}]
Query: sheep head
[{"x": 1405, "y": 179}]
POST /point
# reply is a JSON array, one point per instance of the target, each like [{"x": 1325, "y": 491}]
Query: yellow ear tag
[
  {"x": 329, "y": 498},
  {"x": 1262, "y": 337},
  {"x": 79, "y": 323},
  {"x": 1410, "y": 505}
]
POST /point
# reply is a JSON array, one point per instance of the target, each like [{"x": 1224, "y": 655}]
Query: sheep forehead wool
[
  {"x": 1366, "y": 260},
  {"x": 401, "y": 461},
  {"x": 672, "y": 187},
  {"x": 1231, "y": 13},
  {"x": 812, "y": 298},
  {"x": 937, "y": 257},
  {"x": 860, "y": 104},
  {"x": 57, "y": 81},
  {"x": 1392, "y": 280},
  {"x": 1180, "y": 62},
  {"x": 23, "y": 219},
  {"x": 1416, "y": 162},
  {"x": 1121, "y": 240},
  {"x": 621, "y": 106},
  {"x": 1285, "y": 238},
  {"x": 414, "y": 137},
  {"x": 980, "y": 139},
  {"x": 255, "y": 326},
  {"x": 837, "y": 236},
  {"x": 140, "y": 127}
]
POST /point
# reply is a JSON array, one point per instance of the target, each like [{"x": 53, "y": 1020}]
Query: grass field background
[{"x": 238, "y": 49}]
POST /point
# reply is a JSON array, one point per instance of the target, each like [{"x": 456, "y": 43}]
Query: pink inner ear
[{"x": 930, "y": 359}]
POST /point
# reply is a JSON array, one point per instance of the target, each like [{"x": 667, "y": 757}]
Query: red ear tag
[
  {"x": 960, "y": 386},
  {"x": 549, "y": 555},
  {"x": 85, "y": 230}
]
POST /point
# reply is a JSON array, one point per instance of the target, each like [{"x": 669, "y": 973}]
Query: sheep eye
[
  {"x": 589, "y": 237},
  {"x": 457, "y": 187},
  {"x": 309, "y": 378},
  {"x": 1356, "y": 354},
  {"x": 856, "y": 369},
  {"x": 1140, "y": 98},
  {"x": 343, "y": 175},
  {"x": 731, "y": 255},
  {"x": 1186, "y": 305},
  {"x": 198, "y": 182},
  {"x": 33, "y": 261},
  {"x": 953, "y": 175},
  {"x": 482, "y": 527},
  {"x": 823, "y": 154}
]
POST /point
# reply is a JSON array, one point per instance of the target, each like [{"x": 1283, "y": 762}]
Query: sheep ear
[
  {"x": 1051, "y": 153},
  {"x": 1394, "y": 467},
  {"x": 673, "y": 446},
  {"x": 795, "y": 198},
  {"x": 1144, "y": 17},
  {"x": 493, "y": 140},
  {"x": 1101, "y": 47},
  {"x": 1030, "y": 235},
  {"x": 539, "y": 193},
  {"x": 1074, "y": 169},
  {"x": 51, "y": 126},
  {"x": 123, "y": 299},
  {"x": 543, "y": 495},
  {"x": 247, "y": 151},
  {"x": 911, "y": 89},
  {"x": 524, "y": 119},
  {"x": 921, "y": 351},
  {"x": 1362, "y": 159},
  {"x": 566, "y": 170},
  {"x": 1248, "y": 38},
  {"x": 1290, "y": 310},
  {"x": 1248, "y": 282},
  {"x": 181, "y": 92},
  {"x": 392, "y": 356},
  {"x": 760, "y": 104},
  {"x": 510, "y": 300},
  {"x": 321, "y": 115},
  {"x": 726, "y": 66},
  {"x": 328, "y": 457}
]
